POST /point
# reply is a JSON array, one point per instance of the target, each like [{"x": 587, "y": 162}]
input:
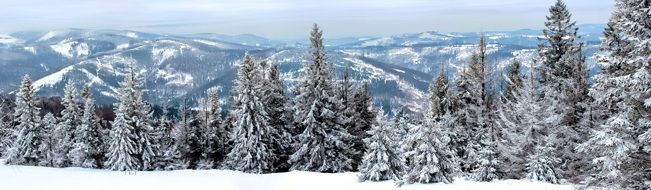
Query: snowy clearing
[{"x": 42, "y": 178}]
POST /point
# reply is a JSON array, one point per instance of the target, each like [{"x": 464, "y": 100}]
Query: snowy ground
[{"x": 41, "y": 178}]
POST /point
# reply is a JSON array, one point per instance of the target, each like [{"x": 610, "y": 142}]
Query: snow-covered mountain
[{"x": 174, "y": 67}]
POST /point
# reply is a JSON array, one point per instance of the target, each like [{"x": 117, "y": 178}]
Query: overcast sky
[{"x": 291, "y": 19}]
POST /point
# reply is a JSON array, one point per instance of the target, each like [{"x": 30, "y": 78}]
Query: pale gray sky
[{"x": 289, "y": 19}]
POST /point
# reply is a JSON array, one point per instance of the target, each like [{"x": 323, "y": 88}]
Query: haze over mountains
[{"x": 175, "y": 67}]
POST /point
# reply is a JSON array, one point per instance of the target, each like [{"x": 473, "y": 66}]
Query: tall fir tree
[
  {"x": 277, "y": 106},
  {"x": 28, "y": 131},
  {"x": 48, "y": 145},
  {"x": 65, "y": 131},
  {"x": 130, "y": 145},
  {"x": 512, "y": 116},
  {"x": 564, "y": 80},
  {"x": 321, "y": 146},
  {"x": 88, "y": 150},
  {"x": 620, "y": 145},
  {"x": 362, "y": 118},
  {"x": 216, "y": 136},
  {"x": 143, "y": 127},
  {"x": 122, "y": 143},
  {"x": 252, "y": 151},
  {"x": 441, "y": 113},
  {"x": 193, "y": 148},
  {"x": 165, "y": 141},
  {"x": 382, "y": 159},
  {"x": 525, "y": 121},
  {"x": 472, "y": 114},
  {"x": 346, "y": 112}
]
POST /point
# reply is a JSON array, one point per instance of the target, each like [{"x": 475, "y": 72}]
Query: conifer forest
[{"x": 550, "y": 118}]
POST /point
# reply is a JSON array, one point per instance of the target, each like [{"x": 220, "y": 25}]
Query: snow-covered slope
[
  {"x": 175, "y": 67},
  {"x": 41, "y": 178}
]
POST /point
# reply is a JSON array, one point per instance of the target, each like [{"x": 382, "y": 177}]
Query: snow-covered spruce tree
[
  {"x": 181, "y": 134},
  {"x": 620, "y": 146},
  {"x": 165, "y": 142},
  {"x": 382, "y": 160},
  {"x": 361, "y": 120},
  {"x": 346, "y": 113},
  {"x": 175, "y": 154},
  {"x": 321, "y": 146},
  {"x": 215, "y": 135},
  {"x": 48, "y": 145},
  {"x": 441, "y": 112},
  {"x": 88, "y": 149},
  {"x": 278, "y": 109},
  {"x": 65, "y": 131},
  {"x": 440, "y": 96},
  {"x": 526, "y": 122},
  {"x": 487, "y": 168},
  {"x": 428, "y": 158},
  {"x": 29, "y": 131},
  {"x": 7, "y": 125},
  {"x": 252, "y": 151},
  {"x": 193, "y": 146},
  {"x": 472, "y": 114},
  {"x": 130, "y": 146},
  {"x": 142, "y": 121},
  {"x": 122, "y": 147},
  {"x": 509, "y": 115},
  {"x": 540, "y": 164},
  {"x": 564, "y": 80}
]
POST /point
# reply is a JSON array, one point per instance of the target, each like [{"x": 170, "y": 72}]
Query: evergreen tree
[
  {"x": 193, "y": 149},
  {"x": 472, "y": 114},
  {"x": 442, "y": 107},
  {"x": 277, "y": 106},
  {"x": 88, "y": 148},
  {"x": 215, "y": 136},
  {"x": 525, "y": 122},
  {"x": 122, "y": 147},
  {"x": 165, "y": 141},
  {"x": 183, "y": 151},
  {"x": 252, "y": 151},
  {"x": 346, "y": 113},
  {"x": 361, "y": 120},
  {"x": 620, "y": 145},
  {"x": 382, "y": 160},
  {"x": 509, "y": 123},
  {"x": 440, "y": 97},
  {"x": 564, "y": 80},
  {"x": 7, "y": 125},
  {"x": 178, "y": 152},
  {"x": 540, "y": 164},
  {"x": 49, "y": 142},
  {"x": 487, "y": 169},
  {"x": 29, "y": 131},
  {"x": 130, "y": 145},
  {"x": 428, "y": 157},
  {"x": 143, "y": 129},
  {"x": 321, "y": 146},
  {"x": 65, "y": 131}
]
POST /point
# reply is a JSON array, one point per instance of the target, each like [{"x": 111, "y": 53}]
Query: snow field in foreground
[{"x": 43, "y": 178}]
